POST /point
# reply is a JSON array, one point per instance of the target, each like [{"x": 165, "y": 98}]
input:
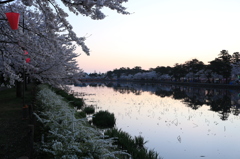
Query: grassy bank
[
  {"x": 65, "y": 136},
  {"x": 75, "y": 138}
]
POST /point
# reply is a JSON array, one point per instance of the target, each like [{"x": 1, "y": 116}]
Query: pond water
[{"x": 178, "y": 122}]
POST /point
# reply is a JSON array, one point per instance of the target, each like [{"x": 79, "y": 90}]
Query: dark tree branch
[
  {"x": 7, "y": 1},
  {"x": 80, "y": 3},
  {"x": 8, "y": 42}
]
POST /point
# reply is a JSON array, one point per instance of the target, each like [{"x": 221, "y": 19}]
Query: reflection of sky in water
[{"x": 171, "y": 128}]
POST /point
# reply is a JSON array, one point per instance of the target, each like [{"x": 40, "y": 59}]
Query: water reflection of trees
[
  {"x": 127, "y": 90},
  {"x": 219, "y": 100},
  {"x": 222, "y": 105}
]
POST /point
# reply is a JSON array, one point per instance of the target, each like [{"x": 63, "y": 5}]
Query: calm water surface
[{"x": 178, "y": 122}]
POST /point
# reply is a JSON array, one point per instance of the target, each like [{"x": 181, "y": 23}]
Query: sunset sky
[{"x": 159, "y": 33}]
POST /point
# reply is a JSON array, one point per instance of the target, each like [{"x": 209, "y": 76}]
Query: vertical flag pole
[{"x": 23, "y": 73}]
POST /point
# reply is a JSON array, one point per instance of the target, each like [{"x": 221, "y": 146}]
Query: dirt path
[{"x": 14, "y": 130}]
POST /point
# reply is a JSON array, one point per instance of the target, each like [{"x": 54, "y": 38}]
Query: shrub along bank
[
  {"x": 64, "y": 135},
  {"x": 104, "y": 119}
]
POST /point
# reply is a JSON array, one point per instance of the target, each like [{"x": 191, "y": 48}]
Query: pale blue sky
[{"x": 159, "y": 33}]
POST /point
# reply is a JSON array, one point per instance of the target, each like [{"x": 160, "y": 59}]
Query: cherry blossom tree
[
  {"x": 46, "y": 38},
  {"x": 165, "y": 77},
  {"x": 91, "y": 8},
  {"x": 52, "y": 55},
  {"x": 235, "y": 70}
]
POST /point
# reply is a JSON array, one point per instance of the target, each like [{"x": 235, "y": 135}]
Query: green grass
[
  {"x": 75, "y": 102},
  {"x": 13, "y": 139},
  {"x": 89, "y": 109},
  {"x": 134, "y": 146},
  {"x": 81, "y": 114}
]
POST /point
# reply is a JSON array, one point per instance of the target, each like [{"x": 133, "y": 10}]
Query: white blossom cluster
[
  {"x": 48, "y": 37},
  {"x": 69, "y": 137}
]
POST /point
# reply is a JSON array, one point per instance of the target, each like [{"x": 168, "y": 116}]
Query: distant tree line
[{"x": 222, "y": 69}]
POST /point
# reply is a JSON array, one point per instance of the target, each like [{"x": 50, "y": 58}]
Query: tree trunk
[
  {"x": 227, "y": 80},
  {"x": 19, "y": 86},
  {"x": 25, "y": 82}
]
